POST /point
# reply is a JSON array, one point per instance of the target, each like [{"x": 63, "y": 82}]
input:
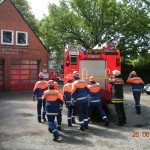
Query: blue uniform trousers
[
  {"x": 71, "y": 114},
  {"x": 119, "y": 107},
  {"x": 82, "y": 112},
  {"x": 97, "y": 105},
  {"x": 137, "y": 96},
  {"x": 41, "y": 103},
  {"x": 59, "y": 119},
  {"x": 52, "y": 126}
]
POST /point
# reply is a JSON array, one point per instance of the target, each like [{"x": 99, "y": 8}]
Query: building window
[
  {"x": 21, "y": 38},
  {"x": 7, "y": 37},
  {"x": 1, "y": 1}
]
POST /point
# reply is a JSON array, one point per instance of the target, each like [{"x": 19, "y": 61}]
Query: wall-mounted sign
[{"x": 13, "y": 51}]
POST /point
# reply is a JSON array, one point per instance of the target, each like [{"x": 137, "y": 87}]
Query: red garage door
[
  {"x": 24, "y": 74},
  {"x": 1, "y": 75}
]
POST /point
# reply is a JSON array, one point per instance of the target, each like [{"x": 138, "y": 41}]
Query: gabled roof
[{"x": 2, "y": 1}]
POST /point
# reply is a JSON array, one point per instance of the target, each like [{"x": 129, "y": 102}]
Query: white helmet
[
  {"x": 116, "y": 72},
  {"x": 133, "y": 73}
]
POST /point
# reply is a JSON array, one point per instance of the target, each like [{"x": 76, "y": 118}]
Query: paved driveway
[{"x": 19, "y": 129}]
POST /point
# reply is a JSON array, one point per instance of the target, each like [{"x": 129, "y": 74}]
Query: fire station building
[{"x": 22, "y": 54}]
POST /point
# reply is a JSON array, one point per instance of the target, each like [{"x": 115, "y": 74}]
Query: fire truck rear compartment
[{"x": 93, "y": 68}]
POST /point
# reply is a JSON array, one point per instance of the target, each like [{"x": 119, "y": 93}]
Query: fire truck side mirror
[{"x": 117, "y": 62}]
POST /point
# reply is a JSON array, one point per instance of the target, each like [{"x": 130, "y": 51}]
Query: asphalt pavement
[{"x": 19, "y": 129}]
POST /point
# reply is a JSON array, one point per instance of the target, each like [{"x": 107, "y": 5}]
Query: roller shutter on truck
[{"x": 94, "y": 68}]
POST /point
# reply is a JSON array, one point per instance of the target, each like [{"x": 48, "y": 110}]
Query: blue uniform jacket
[
  {"x": 67, "y": 91},
  {"x": 53, "y": 101},
  {"x": 94, "y": 92},
  {"x": 80, "y": 90},
  {"x": 39, "y": 88},
  {"x": 136, "y": 83}
]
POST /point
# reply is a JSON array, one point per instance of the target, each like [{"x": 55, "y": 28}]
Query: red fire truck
[
  {"x": 98, "y": 62},
  {"x": 56, "y": 75}
]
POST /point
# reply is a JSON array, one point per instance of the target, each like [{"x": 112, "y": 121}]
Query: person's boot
[
  {"x": 138, "y": 110},
  {"x": 119, "y": 124},
  {"x": 44, "y": 119},
  {"x": 73, "y": 120},
  {"x": 82, "y": 129},
  {"x": 69, "y": 125},
  {"x": 106, "y": 121},
  {"x": 55, "y": 138},
  {"x": 55, "y": 135},
  {"x": 86, "y": 125},
  {"x": 39, "y": 119}
]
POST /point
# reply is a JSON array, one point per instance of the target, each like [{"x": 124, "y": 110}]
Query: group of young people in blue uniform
[{"x": 80, "y": 99}]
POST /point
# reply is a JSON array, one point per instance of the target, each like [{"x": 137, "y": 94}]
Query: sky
[{"x": 40, "y": 7}]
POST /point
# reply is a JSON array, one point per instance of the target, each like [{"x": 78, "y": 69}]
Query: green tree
[
  {"x": 25, "y": 10},
  {"x": 89, "y": 22},
  {"x": 134, "y": 28}
]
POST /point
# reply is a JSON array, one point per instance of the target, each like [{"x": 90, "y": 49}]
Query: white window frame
[
  {"x": 1, "y": 1},
  {"x": 7, "y": 43},
  {"x": 25, "y": 44}
]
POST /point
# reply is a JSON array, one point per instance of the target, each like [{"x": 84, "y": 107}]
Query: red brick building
[{"x": 22, "y": 54}]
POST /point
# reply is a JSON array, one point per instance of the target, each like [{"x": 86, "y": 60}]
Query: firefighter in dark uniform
[
  {"x": 80, "y": 93},
  {"x": 137, "y": 88},
  {"x": 67, "y": 97},
  {"x": 117, "y": 96},
  {"x": 95, "y": 100},
  {"x": 59, "y": 116},
  {"x": 53, "y": 100},
  {"x": 39, "y": 88}
]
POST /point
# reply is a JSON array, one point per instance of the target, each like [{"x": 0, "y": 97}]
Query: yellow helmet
[
  {"x": 116, "y": 72},
  {"x": 133, "y": 73}
]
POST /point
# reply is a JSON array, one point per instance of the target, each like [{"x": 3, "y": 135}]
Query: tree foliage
[
  {"x": 134, "y": 28},
  {"x": 25, "y": 10},
  {"x": 89, "y": 22}
]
